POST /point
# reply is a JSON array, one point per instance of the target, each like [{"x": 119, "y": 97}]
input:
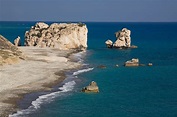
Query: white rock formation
[
  {"x": 132, "y": 62},
  {"x": 58, "y": 35},
  {"x": 123, "y": 38},
  {"x": 17, "y": 41},
  {"x": 109, "y": 43}
]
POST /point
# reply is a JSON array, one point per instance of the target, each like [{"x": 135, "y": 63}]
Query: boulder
[
  {"x": 17, "y": 41},
  {"x": 58, "y": 35},
  {"x": 91, "y": 88},
  {"x": 150, "y": 64},
  {"x": 109, "y": 43},
  {"x": 132, "y": 62},
  {"x": 123, "y": 40}
]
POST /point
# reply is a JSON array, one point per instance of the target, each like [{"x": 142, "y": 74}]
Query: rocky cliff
[
  {"x": 9, "y": 53},
  {"x": 58, "y": 35}
]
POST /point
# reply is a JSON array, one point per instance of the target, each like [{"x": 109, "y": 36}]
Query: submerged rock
[
  {"x": 102, "y": 66},
  {"x": 150, "y": 64},
  {"x": 142, "y": 65},
  {"x": 91, "y": 88},
  {"x": 58, "y": 35},
  {"x": 132, "y": 62},
  {"x": 133, "y": 46}
]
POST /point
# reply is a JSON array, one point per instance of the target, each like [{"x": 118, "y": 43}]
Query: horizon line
[{"x": 95, "y": 21}]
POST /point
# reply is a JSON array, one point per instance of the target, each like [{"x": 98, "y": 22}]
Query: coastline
[{"x": 43, "y": 69}]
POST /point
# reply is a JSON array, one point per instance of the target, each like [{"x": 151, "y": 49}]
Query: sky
[{"x": 89, "y": 10}]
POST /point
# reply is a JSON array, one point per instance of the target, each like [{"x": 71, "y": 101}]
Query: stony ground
[{"x": 9, "y": 53}]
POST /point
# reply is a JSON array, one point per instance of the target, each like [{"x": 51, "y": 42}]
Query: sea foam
[
  {"x": 45, "y": 99},
  {"x": 82, "y": 71},
  {"x": 79, "y": 56}
]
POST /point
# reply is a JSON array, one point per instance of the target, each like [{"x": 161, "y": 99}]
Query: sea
[{"x": 144, "y": 91}]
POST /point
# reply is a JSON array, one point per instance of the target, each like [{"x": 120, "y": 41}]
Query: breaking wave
[
  {"x": 82, "y": 71},
  {"x": 45, "y": 99}
]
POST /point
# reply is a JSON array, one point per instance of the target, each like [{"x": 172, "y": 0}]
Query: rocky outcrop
[
  {"x": 135, "y": 62},
  {"x": 17, "y": 41},
  {"x": 150, "y": 64},
  {"x": 131, "y": 63},
  {"x": 58, "y": 35},
  {"x": 91, "y": 88},
  {"x": 123, "y": 40},
  {"x": 9, "y": 53},
  {"x": 109, "y": 43}
]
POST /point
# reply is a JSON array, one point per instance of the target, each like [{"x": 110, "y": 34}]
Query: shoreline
[{"x": 43, "y": 69}]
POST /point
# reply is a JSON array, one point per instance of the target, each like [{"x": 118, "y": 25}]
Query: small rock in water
[
  {"x": 150, "y": 64},
  {"x": 131, "y": 63},
  {"x": 142, "y": 65},
  {"x": 102, "y": 66},
  {"x": 92, "y": 87},
  {"x": 109, "y": 43}
]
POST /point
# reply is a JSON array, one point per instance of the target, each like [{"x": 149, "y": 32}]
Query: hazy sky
[{"x": 89, "y": 10}]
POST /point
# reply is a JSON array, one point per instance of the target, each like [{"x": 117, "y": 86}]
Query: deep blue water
[{"x": 124, "y": 92}]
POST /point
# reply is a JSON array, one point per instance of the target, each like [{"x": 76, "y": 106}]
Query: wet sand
[{"x": 42, "y": 69}]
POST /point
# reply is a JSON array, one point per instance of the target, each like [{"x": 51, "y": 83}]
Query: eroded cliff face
[
  {"x": 9, "y": 53},
  {"x": 58, "y": 35}
]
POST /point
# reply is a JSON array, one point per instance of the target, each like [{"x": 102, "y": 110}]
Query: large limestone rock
[
  {"x": 9, "y": 53},
  {"x": 123, "y": 40},
  {"x": 58, "y": 35},
  {"x": 91, "y": 88},
  {"x": 132, "y": 63}
]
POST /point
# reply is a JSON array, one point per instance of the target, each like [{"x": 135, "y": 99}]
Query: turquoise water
[{"x": 124, "y": 92}]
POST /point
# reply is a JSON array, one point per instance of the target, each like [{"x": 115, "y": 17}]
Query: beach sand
[{"x": 42, "y": 69}]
